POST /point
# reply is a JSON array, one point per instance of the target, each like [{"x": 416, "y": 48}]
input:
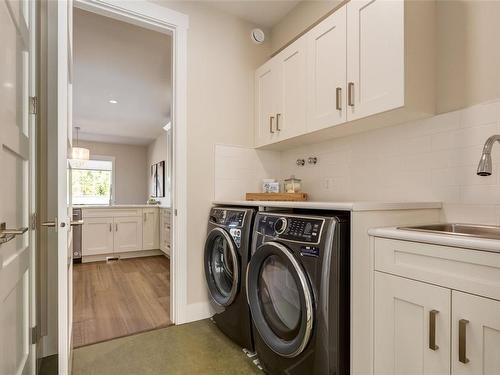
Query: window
[{"x": 92, "y": 181}]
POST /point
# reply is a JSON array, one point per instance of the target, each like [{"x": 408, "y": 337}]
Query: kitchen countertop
[
  {"x": 474, "y": 243},
  {"x": 118, "y": 206},
  {"x": 340, "y": 206}
]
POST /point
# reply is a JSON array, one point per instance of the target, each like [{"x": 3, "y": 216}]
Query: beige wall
[
  {"x": 131, "y": 171},
  {"x": 158, "y": 151},
  {"x": 221, "y": 64},
  {"x": 468, "y": 59},
  {"x": 468, "y": 55}
]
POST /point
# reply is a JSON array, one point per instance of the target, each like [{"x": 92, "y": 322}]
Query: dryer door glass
[
  {"x": 280, "y": 298},
  {"x": 221, "y": 267}
]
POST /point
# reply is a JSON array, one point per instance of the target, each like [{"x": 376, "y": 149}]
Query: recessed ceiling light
[{"x": 113, "y": 101}]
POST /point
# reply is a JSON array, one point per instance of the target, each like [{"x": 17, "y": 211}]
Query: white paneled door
[
  {"x": 59, "y": 97},
  {"x": 17, "y": 353},
  {"x": 412, "y": 327}
]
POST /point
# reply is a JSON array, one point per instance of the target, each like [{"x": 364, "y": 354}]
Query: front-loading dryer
[
  {"x": 227, "y": 253},
  {"x": 298, "y": 293}
]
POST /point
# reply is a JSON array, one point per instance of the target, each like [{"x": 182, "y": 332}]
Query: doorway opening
[{"x": 121, "y": 179}]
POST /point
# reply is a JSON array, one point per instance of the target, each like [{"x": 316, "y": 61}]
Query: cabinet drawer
[
  {"x": 111, "y": 212},
  {"x": 472, "y": 271}
]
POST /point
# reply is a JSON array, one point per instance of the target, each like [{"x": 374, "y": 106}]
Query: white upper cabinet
[
  {"x": 291, "y": 94},
  {"x": 475, "y": 335},
  {"x": 369, "y": 64},
  {"x": 412, "y": 327},
  {"x": 375, "y": 56},
  {"x": 326, "y": 72},
  {"x": 266, "y": 89}
]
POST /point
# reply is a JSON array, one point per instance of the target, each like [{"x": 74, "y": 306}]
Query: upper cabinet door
[
  {"x": 375, "y": 57},
  {"x": 266, "y": 88},
  {"x": 291, "y": 94},
  {"x": 327, "y": 72},
  {"x": 475, "y": 335},
  {"x": 411, "y": 327}
]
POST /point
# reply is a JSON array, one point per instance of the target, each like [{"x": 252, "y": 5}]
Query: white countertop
[
  {"x": 340, "y": 206},
  {"x": 118, "y": 206},
  {"x": 451, "y": 240}
]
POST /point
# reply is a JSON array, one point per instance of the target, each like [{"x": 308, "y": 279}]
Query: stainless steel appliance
[{"x": 77, "y": 236}]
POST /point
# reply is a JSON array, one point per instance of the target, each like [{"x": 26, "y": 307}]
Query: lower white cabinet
[
  {"x": 475, "y": 335},
  {"x": 412, "y": 327},
  {"x": 165, "y": 233},
  {"x": 426, "y": 326},
  {"x": 128, "y": 234},
  {"x": 97, "y": 236},
  {"x": 108, "y": 231},
  {"x": 151, "y": 229}
]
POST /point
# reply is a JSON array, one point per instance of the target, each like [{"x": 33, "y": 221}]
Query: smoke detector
[{"x": 258, "y": 36}]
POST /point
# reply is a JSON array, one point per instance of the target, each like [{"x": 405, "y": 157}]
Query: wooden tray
[{"x": 295, "y": 197}]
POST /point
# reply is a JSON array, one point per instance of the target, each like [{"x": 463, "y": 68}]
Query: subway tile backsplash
[{"x": 432, "y": 159}]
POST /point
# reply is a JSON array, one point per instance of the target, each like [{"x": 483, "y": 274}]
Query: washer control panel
[
  {"x": 230, "y": 218},
  {"x": 298, "y": 229}
]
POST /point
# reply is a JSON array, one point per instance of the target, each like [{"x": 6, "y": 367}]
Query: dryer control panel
[
  {"x": 291, "y": 228},
  {"x": 227, "y": 217}
]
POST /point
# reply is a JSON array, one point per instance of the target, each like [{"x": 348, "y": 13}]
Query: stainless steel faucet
[{"x": 485, "y": 164}]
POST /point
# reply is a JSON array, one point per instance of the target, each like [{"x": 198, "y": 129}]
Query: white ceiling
[
  {"x": 124, "y": 62},
  {"x": 265, "y": 13}
]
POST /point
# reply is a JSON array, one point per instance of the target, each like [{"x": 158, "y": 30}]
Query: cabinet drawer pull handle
[
  {"x": 271, "y": 118},
  {"x": 338, "y": 98},
  {"x": 462, "y": 340},
  {"x": 350, "y": 94},
  {"x": 432, "y": 330},
  {"x": 278, "y": 115}
]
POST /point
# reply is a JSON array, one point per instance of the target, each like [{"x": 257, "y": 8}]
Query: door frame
[{"x": 158, "y": 18}]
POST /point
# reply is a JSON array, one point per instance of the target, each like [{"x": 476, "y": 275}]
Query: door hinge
[
  {"x": 33, "y": 105},
  {"x": 34, "y": 220},
  {"x": 35, "y": 335}
]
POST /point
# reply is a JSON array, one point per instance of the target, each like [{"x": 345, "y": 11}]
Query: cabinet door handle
[
  {"x": 110, "y": 227},
  {"x": 116, "y": 227},
  {"x": 338, "y": 98},
  {"x": 350, "y": 94},
  {"x": 278, "y": 115},
  {"x": 432, "y": 330},
  {"x": 462, "y": 340},
  {"x": 271, "y": 118},
  {"x": 145, "y": 217}
]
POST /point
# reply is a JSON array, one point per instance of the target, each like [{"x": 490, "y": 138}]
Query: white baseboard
[{"x": 198, "y": 311}]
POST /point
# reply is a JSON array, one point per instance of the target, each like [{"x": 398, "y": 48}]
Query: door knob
[{"x": 8, "y": 234}]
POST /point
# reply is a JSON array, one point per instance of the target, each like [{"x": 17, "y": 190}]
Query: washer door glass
[
  {"x": 279, "y": 298},
  {"x": 221, "y": 267}
]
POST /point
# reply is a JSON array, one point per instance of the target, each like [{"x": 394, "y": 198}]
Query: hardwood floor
[{"x": 120, "y": 298}]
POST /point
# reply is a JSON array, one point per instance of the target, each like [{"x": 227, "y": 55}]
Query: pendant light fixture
[{"x": 79, "y": 153}]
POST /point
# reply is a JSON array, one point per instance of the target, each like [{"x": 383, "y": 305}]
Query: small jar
[{"x": 293, "y": 185}]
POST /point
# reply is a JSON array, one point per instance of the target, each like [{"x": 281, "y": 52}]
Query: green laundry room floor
[{"x": 194, "y": 348}]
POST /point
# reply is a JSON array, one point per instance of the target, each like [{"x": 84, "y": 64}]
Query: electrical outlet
[{"x": 328, "y": 183}]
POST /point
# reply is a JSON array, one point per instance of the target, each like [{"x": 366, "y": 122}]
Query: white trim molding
[{"x": 156, "y": 17}]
